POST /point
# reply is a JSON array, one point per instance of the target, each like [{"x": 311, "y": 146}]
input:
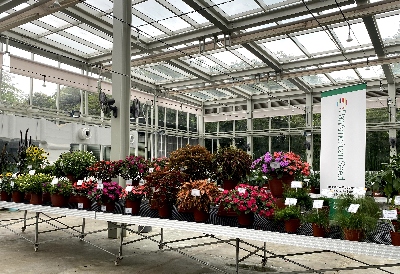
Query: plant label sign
[
  {"x": 14, "y": 175},
  {"x": 353, "y": 208},
  {"x": 129, "y": 188},
  {"x": 318, "y": 203},
  {"x": 290, "y": 201},
  {"x": 196, "y": 192},
  {"x": 390, "y": 214},
  {"x": 103, "y": 208},
  {"x": 80, "y": 205},
  {"x": 128, "y": 210},
  {"x": 12, "y": 184},
  {"x": 297, "y": 184},
  {"x": 128, "y": 182},
  {"x": 151, "y": 170},
  {"x": 54, "y": 181},
  {"x": 32, "y": 172},
  {"x": 397, "y": 200},
  {"x": 141, "y": 182},
  {"x": 79, "y": 183},
  {"x": 241, "y": 190},
  {"x": 99, "y": 182},
  {"x": 326, "y": 193},
  {"x": 100, "y": 186},
  {"x": 275, "y": 165},
  {"x": 29, "y": 167},
  {"x": 359, "y": 191}
]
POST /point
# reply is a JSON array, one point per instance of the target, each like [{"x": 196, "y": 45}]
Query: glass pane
[
  {"x": 373, "y": 72},
  {"x": 261, "y": 123},
  {"x": 103, "y": 5},
  {"x": 210, "y": 127},
  {"x": 50, "y": 88},
  {"x": 388, "y": 27},
  {"x": 70, "y": 99},
  {"x": 316, "y": 80},
  {"x": 182, "y": 120},
  {"x": 240, "y": 125},
  {"x": 279, "y": 122},
  {"x": 377, "y": 150},
  {"x": 19, "y": 52},
  {"x": 88, "y": 36},
  {"x": 174, "y": 23},
  {"x": 33, "y": 28},
  {"x": 225, "y": 126},
  {"x": 237, "y": 6},
  {"x": 343, "y": 75},
  {"x": 284, "y": 49},
  {"x": 280, "y": 143},
  {"x": 377, "y": 115},
  {"x": 171, "y": 118},
  {"x": 309, "y": 41},
  {"x": 260, "y": 146},
  {"x": 190, "y": 12},
  {"x": 192, "y": 122},
  {"x": 14, "y": 88},
  {"x": 230, "y": 59},
  {"x": 297, "y": 145},
  {"x": 53, "y": 21},
  {"x": 153, "y": 10},
  {"x": 358, "y": 31},
  {"x": 70, "y": 43},
  {"x": 254, "y": 59},
  {"x": 161, "y": 116}
]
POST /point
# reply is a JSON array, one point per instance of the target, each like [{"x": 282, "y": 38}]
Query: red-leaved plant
[{"x": 247, "y": 199}]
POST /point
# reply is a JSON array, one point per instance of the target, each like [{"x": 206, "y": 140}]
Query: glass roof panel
[
  {"x": 344, "y": 75},
  {"x": 170, "y": 72},
  {"x": 103, "y": 5},
  {"x": 53, "y": 21},
  {"x": 271, "y": 85},
  {"x": 359, "y": 33},
  {"x": 254, "y": 59},
  {"x": 33, "y": 28},
  {"x": 88, "y": 36},
  {"x": 230, "y": 59},
  {"x": 70, "y": 43},
  {"x": 316, "y": 42},
  {"x": 153, "y": 10},
  {"x": 174, "y": 23},
  {"x": 389, "y": 27},
  {"x": 374, "y": 72},
  {"x": 179, "y": 4},
  {"x": 149, "y": 31},
  {"x": 203, "y": 63},
  {"x": 289, "y": 84},
  {"x": 216, "y": 93},
  {"x": 148, "y": 74},
  {"x": 284, "y": 49},
  {"x": 316, "y": 80},
  {"x": 236, "y": 6},
  {"x": 271, "y": 2},
  {"x": 396, "y": 68},
  {"x": 198, "y": 95},
  {"x": 21, "y": 6}
]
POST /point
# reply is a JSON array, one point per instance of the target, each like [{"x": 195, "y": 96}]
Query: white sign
[
  {"x": 79, "y": 183},
  {"x": 290, "y": 201},
  {"x": 14, "y": 175},
  {"x": 128, "y": 182},
  {"x": 242, "y": 190},
  {"x": 100, "y": 186},
  {"x": 54, "y": 181},
  {"x": 12, "y": 184},
  {"x": 32, "y": 172},
  {"x": 103, "y": 208},
  {"x": 129, "y": 188},
  {"x": 80, "y": 205},
  {"x": 29, "y": 167},
  {"x": 151, "y": 170},
  {"x": 196, "y": 192},
  {"x": 390, "y": 214},
  {"x": 343, "y": 139},
  {"x": 397, "y": 200},
  {"x": 128, "y": 210},
  {"x": 141, "y": 182},
  {"x": 359, "y": 191},
  {"x": 275, "y": 165},
  {"x": 297, "y": 184},
  {"x": 99, "y": 182},
  {"x": 318, "y": 203},
  {"x": 327, "y": 193},
  {"x": 353, "y": 208}
]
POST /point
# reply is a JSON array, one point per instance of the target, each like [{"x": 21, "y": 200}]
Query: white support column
[
  {"x": 201, "y": 127},
  {"x": 269, "y": 128},
  {"x": 187, "y": 128},
  {"x": 121, "y": 81},
  {"x": 392, "y": 119},
  {"x": 309, "y": 128},
  {"x": 31, "y": 84},
  {"x": 250, "y": 125},
  {"x": 156, "y": 129}
]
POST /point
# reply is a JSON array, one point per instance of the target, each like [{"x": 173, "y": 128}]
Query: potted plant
[
  {"x": 106, "y": 194},
  {"x": 356, "y": 224},
  {"x": 36, "y": 158},
  {"x": 301, "y": 194},
  {"x": 247, "y": 200},
  {"x": 33, "y": 184},
  {"x": 133, "y": 168},
  {"x": 60, "y": 191},
  {"x": 80, "y": 190},
  {"x": 198, "y": 196},
  {"x": 132, "y": 196},
  {"x": 312, "y": 181},
  {"x": 162, "y": 187},
  {"x": 291, "y": 215},
  {"x": 319, "y": 219},
  {"x": 160, "y": 164},
  {"x": 195, "y": 161},
  {"x": 231, "y": 165},
  {"x": 5, "y": 186},
  {"x": 104, "y": 170},
  {"x": 74, "y": 165},
  {"x": 281, "y": 168}
]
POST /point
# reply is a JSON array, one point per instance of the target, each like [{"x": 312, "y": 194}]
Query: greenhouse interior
[{"x": 169, "y": 90}]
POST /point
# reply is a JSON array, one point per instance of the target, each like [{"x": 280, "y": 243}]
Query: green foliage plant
[
  {"x": 388, "y": 179},
  {"x": 74, "y": 163},
  {"x": 32, "y": 183},
  {"x": 317, "y": 216},
  {"x": 288, "y": 213},
  {"x": 365, "y": 218}
]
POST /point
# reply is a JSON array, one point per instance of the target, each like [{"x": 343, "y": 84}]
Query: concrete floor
[{"x": 59, "y": 253}]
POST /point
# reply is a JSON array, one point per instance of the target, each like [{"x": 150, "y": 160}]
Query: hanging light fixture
[
  {"x": 44, "y": 81},
  {"x": 367, "y": 68},
  {"x": 349, "y": 38}
]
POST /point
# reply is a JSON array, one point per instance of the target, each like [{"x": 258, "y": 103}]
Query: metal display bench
[{"x": 211, "y": 234}]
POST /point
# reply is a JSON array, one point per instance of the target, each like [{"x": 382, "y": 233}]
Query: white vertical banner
[{"x": 343, "y": 135}]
